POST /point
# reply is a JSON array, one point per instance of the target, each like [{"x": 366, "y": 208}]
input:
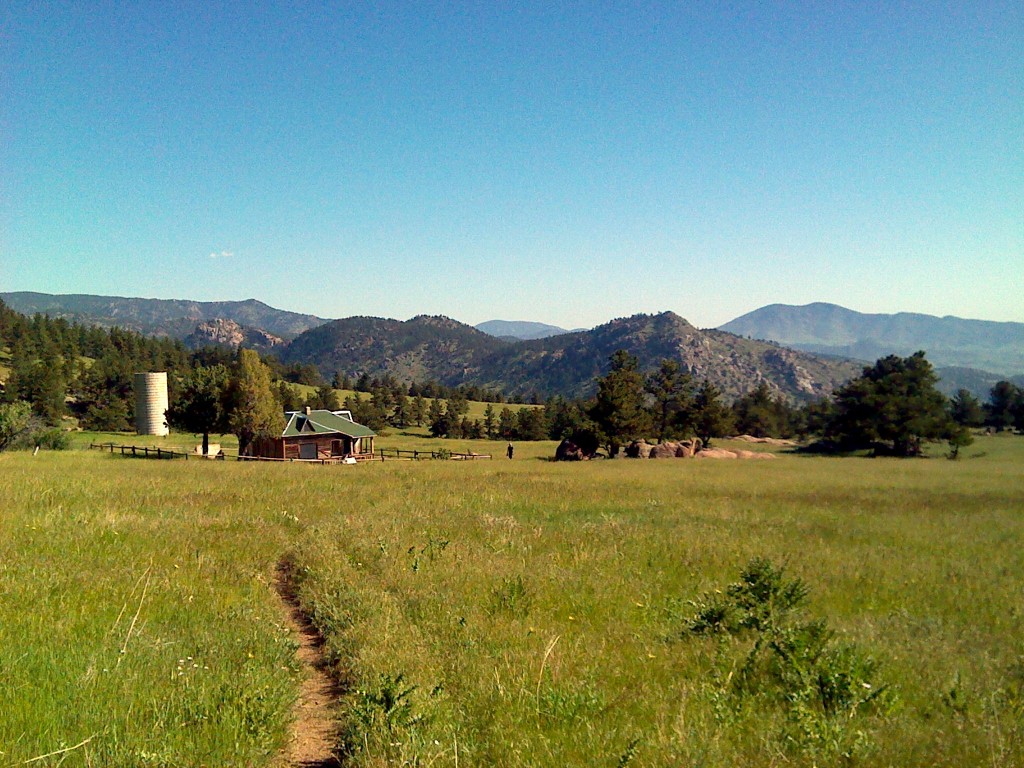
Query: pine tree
[
  {"x": 672, "y": 391},
  {"x": 1000, "y": 408},
  {"x": 418, "y": 410},
  {"x": 711, "y": 417},
  {"x": 619, "y": 406},
  {"x": 490, "y": 423},
  {"x": 400, "y": 413},
  {"x": 966, "y": 409},
  {"x": 894, "y": 402}
]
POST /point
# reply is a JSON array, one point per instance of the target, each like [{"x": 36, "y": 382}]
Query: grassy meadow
[{"x": 505, "y": 612}]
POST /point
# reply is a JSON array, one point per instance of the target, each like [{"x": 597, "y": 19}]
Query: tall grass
[{"x": 500, "y": 612}]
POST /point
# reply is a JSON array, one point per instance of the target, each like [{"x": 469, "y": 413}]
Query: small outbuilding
[{"x": 318, "y": 435}]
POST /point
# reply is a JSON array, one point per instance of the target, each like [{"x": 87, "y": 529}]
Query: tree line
[
  {"x": 893, "y": 407},
  {"x": 58, "y": 368},
  {"x": 61, "y": 369}
]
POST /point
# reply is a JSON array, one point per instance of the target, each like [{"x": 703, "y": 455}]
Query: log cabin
[{"x": 318, "y": 435}]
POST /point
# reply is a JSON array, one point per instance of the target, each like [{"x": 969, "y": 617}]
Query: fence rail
[
  {"x": 382, "y": 454},
  {"x": 402, "y": 453},
  {"x": 359, "y": 457},
  {"x": 147, "y": 452}
]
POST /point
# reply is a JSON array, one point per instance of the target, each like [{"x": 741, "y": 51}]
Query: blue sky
[{"x": 560, "y": 162}]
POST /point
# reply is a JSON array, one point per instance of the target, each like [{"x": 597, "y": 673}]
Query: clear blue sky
[{"x": 566, "y": 163}]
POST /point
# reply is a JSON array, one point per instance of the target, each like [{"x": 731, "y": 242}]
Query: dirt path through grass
[{"x": 313, "y": 737}]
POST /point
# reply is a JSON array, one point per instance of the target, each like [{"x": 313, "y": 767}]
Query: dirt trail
[{"x": 313, "y": 737}]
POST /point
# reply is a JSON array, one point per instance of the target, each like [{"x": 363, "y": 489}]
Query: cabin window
[
  {"x": 337, "y": 448},
  {"x": 307, "y": 450}
]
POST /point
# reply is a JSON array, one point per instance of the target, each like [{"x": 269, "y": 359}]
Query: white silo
[{"x": 151, "y": 403}]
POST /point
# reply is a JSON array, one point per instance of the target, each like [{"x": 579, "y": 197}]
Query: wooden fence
[
  {"x": 382, "y": 454},
  {"x": 147, "y": 451},
  {"x": 401, "y": 453}
]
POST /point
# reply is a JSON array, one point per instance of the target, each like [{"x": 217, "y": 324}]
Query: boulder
[
  {"x": 688, "y": 448},
  {"x": 664, "y": 450},
  {"x": 567, "y": 450},
  {"x": 639, "y": 449},
  {"x": 715, "y": 453},
  {"x": 721, "y": 453}
]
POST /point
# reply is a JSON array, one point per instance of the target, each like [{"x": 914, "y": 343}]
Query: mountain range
[
  {"x": 802, "y": 352},
  {"x": 833, "y": 330},
  {"x": 161, "y": 317},
  {"x": 439, "y": 348},
  {"x": 524, "y": 330}
]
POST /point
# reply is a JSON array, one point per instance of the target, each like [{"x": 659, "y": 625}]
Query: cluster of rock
[
  {"x": 722, "y": 453},
  {"x": 682, "y": 449},
  {"x": 765, "y": 440},
  {"x": 567, "y": 450},
  {"x": 228, "y": 333},
  {"x": 675, "y": 449}
]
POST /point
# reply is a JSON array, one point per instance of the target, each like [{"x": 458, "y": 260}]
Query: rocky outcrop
[
  {"x": 567, "y": 450},
  {"x": 686, "y": 449},
  {"x": 722, "y": 453},
  {"x": 228, "y": 333},
  {"x": 673, "y": 449},
  {"x": 765, "y": 440}
]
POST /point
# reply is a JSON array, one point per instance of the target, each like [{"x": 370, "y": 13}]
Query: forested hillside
[
  {"x": 453, "y": 353},
  {"x": 160, "y": 317}
]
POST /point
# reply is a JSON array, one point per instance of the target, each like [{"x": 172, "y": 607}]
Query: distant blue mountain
[
  {"x": 520, "y": 329},
  {"x": 833, "y": 330}
]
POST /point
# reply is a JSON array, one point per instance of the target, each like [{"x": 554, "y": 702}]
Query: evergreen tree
[
  {"x": 107, "y": 414},
  {"x": 672, "y": 391},
  {"x": 618, "y": 409},
  {"x": 531, "y": 424},
  {"x": 400, "y": 413},
  {"x": 288, "y": 396},
  {"x": 814, "y": 417},
  {"x": 438, "y": 419},
  {"x": 1001, "y": 406},
  {"x": 506, "y": 424},
  {"x": 457, "y": 405},
  {"x": 966, "y": 409},
  {"x": 490, "y": 423},
  {"x": 760, "y": 414},
  {"x": 377, "y": 409},
  {"x": 894, "y": 402},
  {"x": 327, "y": 398},
  {"x": 711, "y": 417},
  {"x": 418, "y": 410}
]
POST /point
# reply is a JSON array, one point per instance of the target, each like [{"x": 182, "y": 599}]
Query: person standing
[{"x": 510, "y": 450}]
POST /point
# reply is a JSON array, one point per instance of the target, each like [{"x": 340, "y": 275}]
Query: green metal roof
[{"x": 324, "y": 423}]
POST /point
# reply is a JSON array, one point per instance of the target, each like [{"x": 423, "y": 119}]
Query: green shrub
[
  {"x": 789, "y": 663},
  {"x": 51, "y": 439}
]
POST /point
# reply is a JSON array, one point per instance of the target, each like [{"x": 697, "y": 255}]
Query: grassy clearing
[{"x": 502, "y": 613}]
